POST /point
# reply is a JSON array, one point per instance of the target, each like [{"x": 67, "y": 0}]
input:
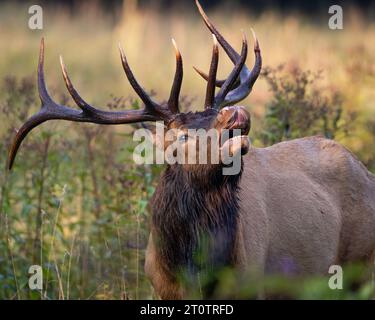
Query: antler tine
[
  {"x": 177, "y": 82},
  {"x": 149, "y": 104},
  {"x": 220, "y": 98},
  {"x": 247, "y": 81},
  {"x": 247, "y": 77},
  {"x": 73, "y": 92},
  {"x": 43, "y": 93},
  {"x": 219, "y": 83},
  {"x": 233, "y": 55},
  {"x": 258, "y": 61},
  {"x": 211, "y": 83},
  {"x": 41, "y": 116},
  {"x": 21, "y": 134}
]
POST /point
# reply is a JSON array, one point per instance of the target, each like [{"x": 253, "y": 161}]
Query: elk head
[{"x": 219, "y": 112}]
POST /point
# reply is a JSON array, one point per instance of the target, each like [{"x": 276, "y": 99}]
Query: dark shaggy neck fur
[{"x": 195, "y": 219}]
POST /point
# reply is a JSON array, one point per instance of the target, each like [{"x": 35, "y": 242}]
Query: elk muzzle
[{"x": 234, "y": 123}]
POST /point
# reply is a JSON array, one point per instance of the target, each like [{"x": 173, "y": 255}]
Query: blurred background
[{"x": 76, "y": 204}]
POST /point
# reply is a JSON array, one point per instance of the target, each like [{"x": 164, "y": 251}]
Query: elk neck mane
[{"x": 195, "y": 218}]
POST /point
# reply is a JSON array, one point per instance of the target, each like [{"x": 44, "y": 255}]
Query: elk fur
[{"x": 300, "y": 206}]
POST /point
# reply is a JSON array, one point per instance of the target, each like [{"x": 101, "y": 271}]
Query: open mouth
[
  {"x": 237, "y": 125},
  {"x": 239, "y": 120}
]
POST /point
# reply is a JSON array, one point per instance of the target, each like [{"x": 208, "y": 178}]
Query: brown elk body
[
  {"x": 302, "y": 206},
  {"x": 297, "y": 207}
]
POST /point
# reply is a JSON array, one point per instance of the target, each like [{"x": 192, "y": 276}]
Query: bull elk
[{"x": 308, "y": 201}]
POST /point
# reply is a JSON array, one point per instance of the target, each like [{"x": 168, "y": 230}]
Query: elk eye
[{"x": 183, "y": 138}]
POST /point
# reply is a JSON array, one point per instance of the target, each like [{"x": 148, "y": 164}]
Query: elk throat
[{"x": 195, "y": 219}]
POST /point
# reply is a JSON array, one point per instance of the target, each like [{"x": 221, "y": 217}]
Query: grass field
[{"x": 76, "y": 203}]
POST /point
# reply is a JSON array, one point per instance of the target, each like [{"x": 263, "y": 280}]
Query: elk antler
[
  {"x": 247, "y": 78},
  {"x": 218, "y": 101},
  {"x": 52, "y": 111},
  {"x": 176, "y": 87},
  {"x": 211, "y": 79}
]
